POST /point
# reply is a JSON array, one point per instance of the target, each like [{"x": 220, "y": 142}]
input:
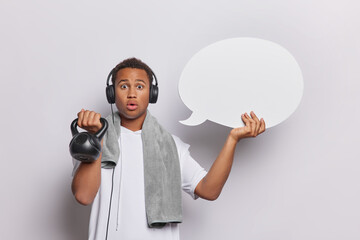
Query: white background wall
[{"x": 299, "y": 180}]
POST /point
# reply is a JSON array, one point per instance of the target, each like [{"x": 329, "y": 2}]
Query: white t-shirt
[{"x": 127, "y": 215}]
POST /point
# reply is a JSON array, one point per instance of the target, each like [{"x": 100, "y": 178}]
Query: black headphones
[{"x": 110, "y": 89}]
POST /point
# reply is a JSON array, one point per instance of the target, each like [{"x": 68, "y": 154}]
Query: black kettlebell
[{"x": 85, "y": 146}]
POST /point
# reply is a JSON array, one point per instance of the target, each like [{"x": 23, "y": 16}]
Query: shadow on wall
[{"x": 75, "y": 218}]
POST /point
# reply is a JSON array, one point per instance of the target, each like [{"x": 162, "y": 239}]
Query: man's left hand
[{"x": 253, "y": 127}]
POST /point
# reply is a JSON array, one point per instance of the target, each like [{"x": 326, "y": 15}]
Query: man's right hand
[{"x": 89, "y": 120}]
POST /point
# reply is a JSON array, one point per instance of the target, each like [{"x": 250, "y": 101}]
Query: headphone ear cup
[
  {"x": 154, "y": 92},
  {"x": 110, "y": 94}
]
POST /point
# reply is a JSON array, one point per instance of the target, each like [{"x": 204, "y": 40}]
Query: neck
[{"x": 133, "y": 124}]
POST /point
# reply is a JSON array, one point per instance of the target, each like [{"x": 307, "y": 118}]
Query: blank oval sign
[{"x": 238, "y": 75}]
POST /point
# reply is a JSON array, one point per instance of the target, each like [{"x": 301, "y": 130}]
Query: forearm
[
  {"x": 212, "y": 184},
  {"x": 86, "y": 182}
]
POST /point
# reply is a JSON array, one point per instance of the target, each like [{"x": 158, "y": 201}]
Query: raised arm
[
  {"x": 86, "y": 181},
  {"x": 211, "y": 185}
]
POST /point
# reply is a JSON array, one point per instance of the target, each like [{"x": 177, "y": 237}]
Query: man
[{"x": 123, "y": 196}]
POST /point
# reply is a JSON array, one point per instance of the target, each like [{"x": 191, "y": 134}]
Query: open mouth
[{"x": 131, "y": 106}]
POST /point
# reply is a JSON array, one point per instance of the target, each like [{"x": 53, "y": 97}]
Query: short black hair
[{"x": 132, "y": 63}]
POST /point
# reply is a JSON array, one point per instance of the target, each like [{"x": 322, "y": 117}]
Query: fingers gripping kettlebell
[{"x": 84, "y": 146}]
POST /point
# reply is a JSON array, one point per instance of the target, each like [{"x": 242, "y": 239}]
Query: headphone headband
[{"x": 111, "y": 74}]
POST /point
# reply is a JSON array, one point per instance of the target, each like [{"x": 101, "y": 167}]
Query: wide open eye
[
  {"x": 140, "y": 87},
  {"x": 124, "y": 86}
]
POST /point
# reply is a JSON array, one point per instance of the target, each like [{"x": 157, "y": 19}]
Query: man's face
[{"x": 132, "y": 89}]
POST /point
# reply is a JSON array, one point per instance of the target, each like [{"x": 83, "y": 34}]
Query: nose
[{"x": 131, "y": 93}]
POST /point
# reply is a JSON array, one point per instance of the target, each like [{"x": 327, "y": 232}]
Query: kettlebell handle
[{"x": 99, "y": 134}]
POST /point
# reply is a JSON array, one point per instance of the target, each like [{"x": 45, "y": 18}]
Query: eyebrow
[{"x": 126, "y": 80}]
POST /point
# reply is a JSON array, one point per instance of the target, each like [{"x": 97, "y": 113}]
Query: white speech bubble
[{"x": 238, "y": 75}]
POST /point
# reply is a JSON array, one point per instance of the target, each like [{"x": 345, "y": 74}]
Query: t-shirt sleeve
[{"x": 191, "y": 171}]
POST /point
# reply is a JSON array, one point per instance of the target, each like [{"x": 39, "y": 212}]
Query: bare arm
[
  {"x": 211, "y": 185},
  {"x": 86, "y": 181}
]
